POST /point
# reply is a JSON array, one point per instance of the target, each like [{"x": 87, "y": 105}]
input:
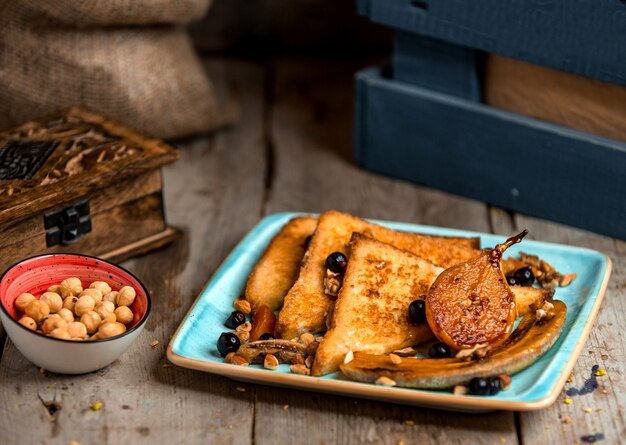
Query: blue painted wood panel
[
  {"x": 504, "y": 159},
  {"x": 586, "y": 37},
  {"x": 437, "y": 65}
]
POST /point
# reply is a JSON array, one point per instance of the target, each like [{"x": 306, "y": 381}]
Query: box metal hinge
[{"x": 68, "y": 225}]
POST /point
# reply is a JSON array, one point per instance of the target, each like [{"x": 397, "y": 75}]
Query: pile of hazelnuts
[{"x": 70, "y": 312}]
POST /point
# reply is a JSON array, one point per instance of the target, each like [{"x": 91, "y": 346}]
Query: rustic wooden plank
[
  {"x": 605, "y": 347},
  {"x": 310, "y": 132},
  {"x": 554, "y": 96},
  {"x": 214, "y": 193}
]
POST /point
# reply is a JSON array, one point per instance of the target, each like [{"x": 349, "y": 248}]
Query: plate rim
[{"x": 370, "y": 391}]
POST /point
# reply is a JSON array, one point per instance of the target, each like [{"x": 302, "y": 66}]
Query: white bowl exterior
[{"x": 67, "y": 357}]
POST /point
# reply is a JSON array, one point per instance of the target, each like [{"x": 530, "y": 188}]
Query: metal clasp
[{"x": 67, "y": 225}]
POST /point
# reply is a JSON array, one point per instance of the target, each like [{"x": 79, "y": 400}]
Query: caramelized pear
[{"x": 471, "y": 303}]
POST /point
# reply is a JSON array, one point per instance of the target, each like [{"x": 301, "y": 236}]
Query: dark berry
[
  {"x": 524, "y": 276},
  {"x": 228, "y": 342},
  {"x": 235, "y": 319},
  {"x": 439, "y": 350},
  {"x": 479, "y": 386},
  {"x": 266, "y": 336},
  {"x": 417, "y": 311},
  {"x": 512, "y": 281},
  {"x": 336, "y": 262},
  {"x": 494, "y": 385}
]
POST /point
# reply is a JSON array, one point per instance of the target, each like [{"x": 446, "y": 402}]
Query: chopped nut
[
  {"x": 311, "y": 348},
  {"x": 460, "y": 390},
  {"x": 348, "y": 358},
  {"x": 395, "y": 359},
  {"x": 307, "y": 338},
  {"x": 505, "y": 381},
  {"x": 285, "y": 408},
  {"x": 477, "y": 351},
  {"x": 546, "y": 311},
  {"x": 243, "y": 336},
  {"x": 300, "y": 369},
  {"x": 409, "y": 422},
  {"x": 270, "y": 362},
  {"x": 588, "y": 410},
  {"x": 385, "y": 381},
  {"x": 406, "y": 352},
  {"x": 241, "y": 389},
  {"x": 298, "y": 359},
  {"x": 229, "y": 357},
  {"x": 242, "y": 306},
  {"x": 244, "y": 327},
  {"x": 567, "y": 419},
  {"x": 570, "y": 378},
  {"x": 153, "y": 343},
  {"x": 308, "y": 362},
  {"x": 239, "y": 361},
  {"x": 567, "y": 279}
]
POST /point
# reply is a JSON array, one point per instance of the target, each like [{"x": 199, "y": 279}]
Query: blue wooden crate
[
  {"x": 465, "y": 147},
  {"x": 586, "y": 37}
]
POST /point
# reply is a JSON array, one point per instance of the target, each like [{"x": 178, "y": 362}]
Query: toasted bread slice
[
  {"x": 306, "y": 304},
  {"x": 371, "y": 312},
  {"x": 278, "y": 268}
]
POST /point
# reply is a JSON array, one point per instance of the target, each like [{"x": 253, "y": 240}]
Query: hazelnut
[
  {"x": 53, "y": 322},
  {"x": 91, "y": 320},
  {"x": 24, "y": 300},
  {"x": 71, "y": 287},
  {"x": 124, "y": 314},
  {"x": 242, "y": 306},
  {"x": 53, "y": 300},
  {"x": 77, "y": 330},
  {"x": 111, "y": 296},
  {"x": 56, "y": 288},
  {"x": 28, "y": 322},
  {"x": 66, "y": 315},
  {"x": 96, "y": 294},
  {"x": 102, "y": 286},
  {"x": 111, "y": 330},
  {"x": 84, "y": 304},
  {"x": 104, "y": 308},
  {"x": 270, "y": 362},
  {"x": 126, "y": 296},
  {"x": 60, "y": 333},
  {"x": 110, "y": 318},
  {"x": 37, "y": 310},
  {"x": 69, "y": 302}
]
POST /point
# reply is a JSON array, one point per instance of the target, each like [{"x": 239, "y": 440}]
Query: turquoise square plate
[{"x": 194, "y": 344}]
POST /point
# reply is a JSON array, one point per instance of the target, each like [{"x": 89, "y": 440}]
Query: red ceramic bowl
[{"x": 34, "y": 275}]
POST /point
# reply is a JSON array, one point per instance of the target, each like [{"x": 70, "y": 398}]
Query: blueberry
[
  {"x": 484, "y": 386},
  {"x": 524, "y": 276},
  {"x": 494, "y": 385},
  {"x": 512, "y": 281},
  {"x": 336, "y": 262},
  {"x": 228, "y": 342},
  {"x": 417, "y": 311},
  {"x": 235, "y": 319},
  {"x": 266, "y": 336},
  {"x": 439, "y": 350},
  {"x": 479, "y": 386}
]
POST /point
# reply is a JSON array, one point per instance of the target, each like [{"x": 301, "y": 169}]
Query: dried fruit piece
[{"x": 263, "y": 322}]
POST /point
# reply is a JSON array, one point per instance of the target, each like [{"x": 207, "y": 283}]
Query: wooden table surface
[{"x": 291, "y": 151}]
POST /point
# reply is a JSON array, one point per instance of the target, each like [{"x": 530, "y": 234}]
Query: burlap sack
[
  {"x": 90, "y": 13},
  {"x": 147, "y": 77}
]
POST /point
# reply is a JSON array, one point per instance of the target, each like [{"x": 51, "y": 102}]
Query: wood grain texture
[
  {"x": 310, "y": 130},
  {"x": 605, "y": 347},
  {"x": 576, "y": 36},
  {"x": 145, "y": 402},
  {"x": 554, "y": 96}
]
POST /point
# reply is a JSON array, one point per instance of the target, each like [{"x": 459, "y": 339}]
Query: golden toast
[
  {"x": 306, "y": 304},
  {"x": 371, "y": 311},
  {"x": 278, "y": 267}
]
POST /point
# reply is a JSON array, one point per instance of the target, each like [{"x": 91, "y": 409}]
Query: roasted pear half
[
  {"x": 471, "y": 303},
  {"x": 532, "y": 338}
]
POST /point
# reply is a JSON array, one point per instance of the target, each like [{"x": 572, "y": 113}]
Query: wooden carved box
[{"x": 79, "y": 182}]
